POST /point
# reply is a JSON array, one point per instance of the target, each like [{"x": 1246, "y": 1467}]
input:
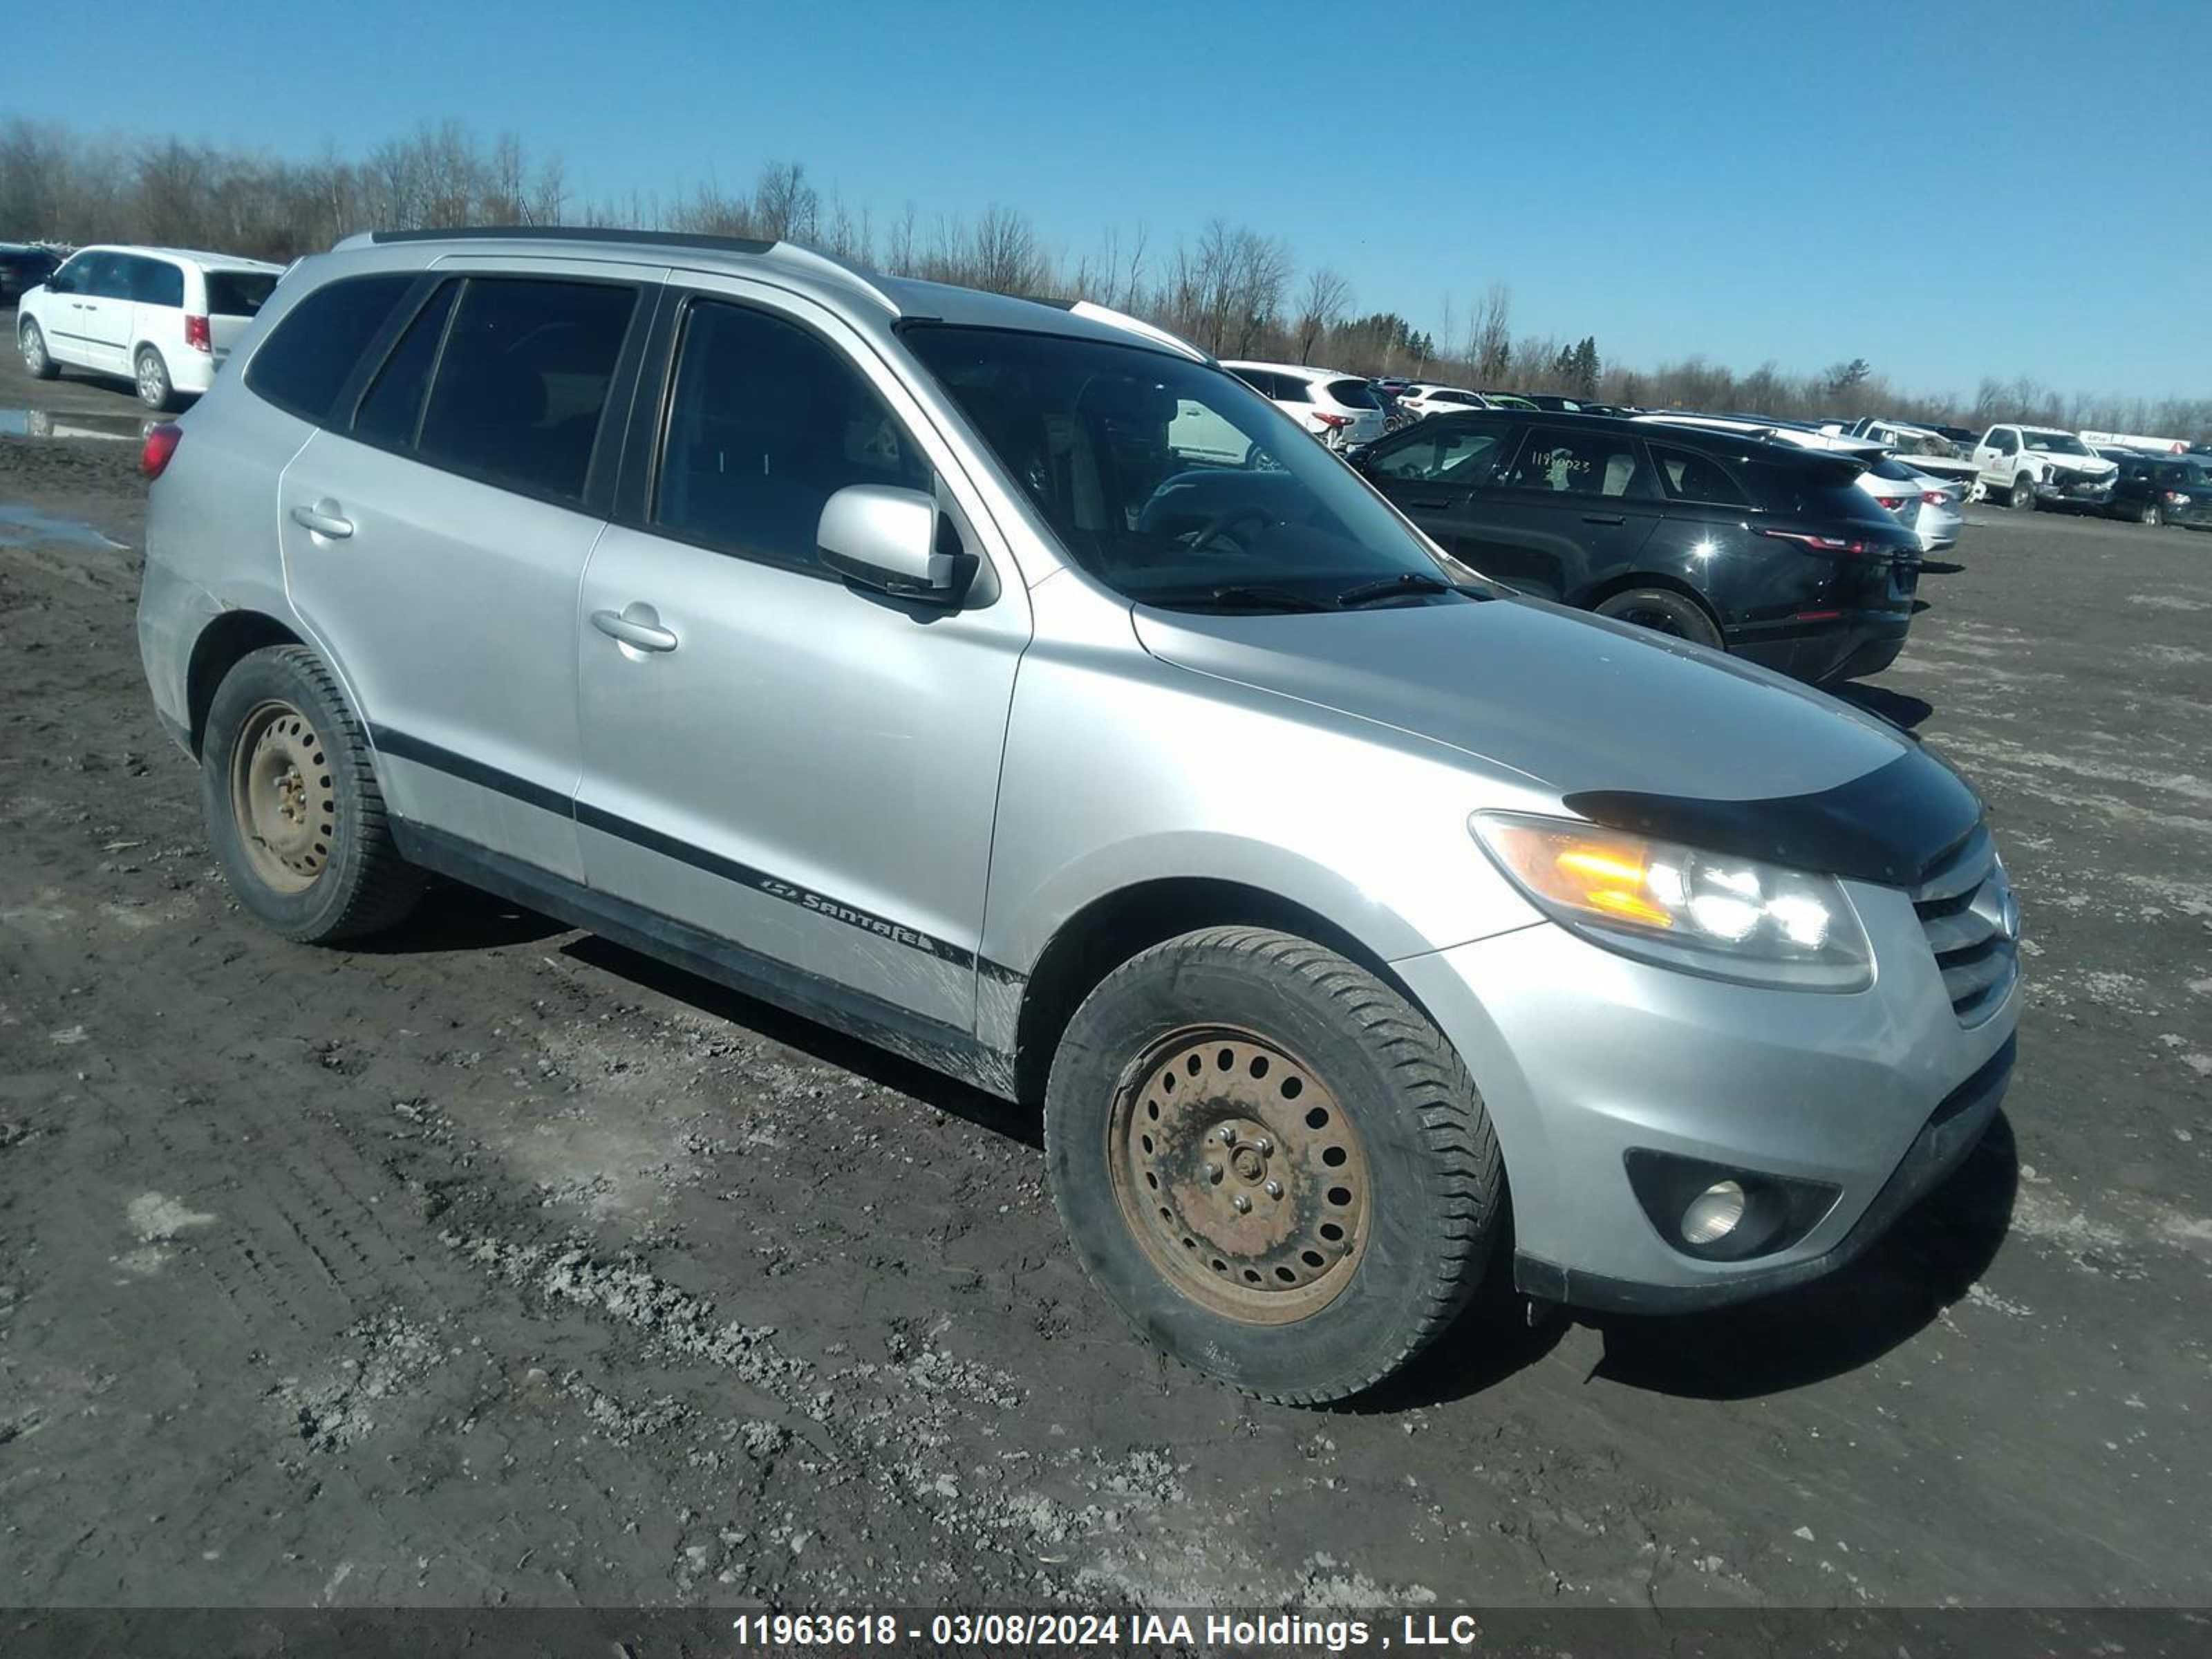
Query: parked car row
[{"x": 164, "y": 317}]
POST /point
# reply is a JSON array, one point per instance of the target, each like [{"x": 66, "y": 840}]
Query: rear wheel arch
[
  {"x": 1628, "y": 580},
  {"x": 1119, "y": 926},
  {"x": 222, "y": 644}
]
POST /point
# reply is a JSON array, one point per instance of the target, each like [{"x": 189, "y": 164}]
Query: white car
[
  {"x": 1338, "y": 408},
  {"x": 1422, "y": 399},
  {"x": 2030, "y": 466},
  {"x": 163, "y": 317}
]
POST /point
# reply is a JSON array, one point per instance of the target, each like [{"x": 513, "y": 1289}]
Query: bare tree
[{"x": 1327, "y": 294}]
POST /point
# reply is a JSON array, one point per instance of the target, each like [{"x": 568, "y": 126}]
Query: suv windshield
[
  {"x": 2055, "y": 443},
  {"x": 1171, "y": 482}
]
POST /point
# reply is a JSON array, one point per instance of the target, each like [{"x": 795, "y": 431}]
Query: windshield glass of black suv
[{"x": 1171, "y": 482}]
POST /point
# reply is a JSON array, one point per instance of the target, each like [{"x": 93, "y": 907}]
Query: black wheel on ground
[
  {"x": 2022, "y": 498},
  {"x": 293, "y": 810},
  {"x": 1664, "y": 611},
  {"x": 1271, "y": 1161},
  {"x": 153, "y": 376},
  {"x": 41, "y": 365},
  {"x": 2148, "y": 513}
]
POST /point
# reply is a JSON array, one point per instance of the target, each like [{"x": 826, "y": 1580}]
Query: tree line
[{"x": 1232, "y": 289}]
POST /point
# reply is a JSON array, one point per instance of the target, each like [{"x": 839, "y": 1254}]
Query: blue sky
[{"x": 1948, "y": 189}]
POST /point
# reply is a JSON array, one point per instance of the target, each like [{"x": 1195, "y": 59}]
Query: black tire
[
  {"x": 38, "y": 361},
  {"x": 348, "y": 878},
  {"x": 156, "y": 390},
  {"x": 1431, "y": 1182},
  {"x": 1664, "y": 611},
  {"x": 2022, "y": 497}
]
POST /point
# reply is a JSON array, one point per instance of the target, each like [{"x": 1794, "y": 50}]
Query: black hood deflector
[{"x": 1892, "y": 826}]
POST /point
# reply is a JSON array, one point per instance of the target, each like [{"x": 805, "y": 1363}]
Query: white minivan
[{"x": 163, "y": 317}]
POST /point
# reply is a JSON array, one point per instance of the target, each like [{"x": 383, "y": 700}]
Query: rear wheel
[
  {"x": 291, "y": 806},
  {"x": 1274, "y": 1164},
  {"x": 42, "y": 365},
  {"x": 1664, "y": 611},
  {"x": 154, "y": 388},
  {"x": 2022, "y": 498}
]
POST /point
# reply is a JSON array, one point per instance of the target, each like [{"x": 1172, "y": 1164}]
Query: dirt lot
[{"x": 497, "y": 1265}]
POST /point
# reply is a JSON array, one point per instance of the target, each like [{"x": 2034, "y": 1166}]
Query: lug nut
[
  {"x": 1227, "y": 1134},
  {"x": 1274, "y": 1189},
  {"x": 1264, "y": 1145},
  {"x": 1213, "y": 1173},
  {"x": 1241, "y": 1203}
]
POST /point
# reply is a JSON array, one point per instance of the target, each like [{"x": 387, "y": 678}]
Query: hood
[{"x": 1629, "y": 728}]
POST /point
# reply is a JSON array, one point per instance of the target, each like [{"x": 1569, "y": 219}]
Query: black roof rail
[{"x": 577, "y": 233}]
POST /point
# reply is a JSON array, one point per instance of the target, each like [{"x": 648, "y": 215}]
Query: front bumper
[
  {"x": 2086, "y": 494},
  {"x": 1582, "y": 1054}
]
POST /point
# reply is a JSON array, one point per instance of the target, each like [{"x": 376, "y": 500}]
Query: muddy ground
[{"x": 499, "y": 1265}]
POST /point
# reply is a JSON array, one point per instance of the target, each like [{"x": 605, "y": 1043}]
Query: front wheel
[
  {"x": 1664, "y": 611},
  {"x": 36, "y": 359},
  {"x": 289, "y": 790},
  {"x": 1274, "y": 1165},
  {"x": 2022, "y": 499}
]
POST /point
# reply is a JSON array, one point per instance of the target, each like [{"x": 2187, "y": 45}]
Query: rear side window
[
  {"x": 304, "y": 364},
  {"x": 1353, "y": 394},
  {"x": 766, "y": 421},
  {"x": 156, "y": 283},
  {"x": 1288, "y": 389},
  {"x": 1694, "y": 478},
  {"x": 239, "y": 292},
  {"x": 523, "y": 380},
  {"x": 392, "y": 410},
  {"x": 1579, "y": 464}
]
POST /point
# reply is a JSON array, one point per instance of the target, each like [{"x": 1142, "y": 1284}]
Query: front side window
[
  {"x": 1083, "y": 429},
  {"x": 106, "y": 275},
  {"x": 69, "y": 277},
  {"x": 1577, "y": 463},
  {"x": 1453, "y": 453},
  {"x": 523, "y": 381},
  {"x": 766, "y": 421},
  {"x": 304, "y": 364},
  {"x": 2007, "y": 443}
]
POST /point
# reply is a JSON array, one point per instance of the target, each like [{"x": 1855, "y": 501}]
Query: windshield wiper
[
  {"x": 1390, "y": 587},
  {"x": 1263, "y": 599}
]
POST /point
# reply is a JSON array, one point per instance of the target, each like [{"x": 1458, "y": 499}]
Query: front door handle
[
  {"x": 324, "y": 520},
  {"x": 1604, "y": 518},
  {"x": 636, "y": 625}
]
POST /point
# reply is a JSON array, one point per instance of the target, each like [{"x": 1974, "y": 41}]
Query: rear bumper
[{"x": 1858, "y": 642}]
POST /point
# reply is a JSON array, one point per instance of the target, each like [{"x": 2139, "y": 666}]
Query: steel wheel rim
[
  {"x": 282, "y": 797},
  {"x": 1240, "y": 1175},
  {"x": 149, "y": 379}
]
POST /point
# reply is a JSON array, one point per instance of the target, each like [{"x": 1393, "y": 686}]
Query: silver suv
[{"x": 1007, "y": 683}]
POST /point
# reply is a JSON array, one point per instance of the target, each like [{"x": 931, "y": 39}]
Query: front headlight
[{"x": 1706, "y": 913}]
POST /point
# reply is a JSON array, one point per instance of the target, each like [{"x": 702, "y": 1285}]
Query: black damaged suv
[{"x": 1772, "y": 552}]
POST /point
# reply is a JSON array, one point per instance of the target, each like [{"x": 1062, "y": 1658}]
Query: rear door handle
[
  {"x": 1604, "y": 518},
  {"x": 1431, "y": 501},
  {"x": 637, "y": 625},
  {"x": 323, "y": 518}
]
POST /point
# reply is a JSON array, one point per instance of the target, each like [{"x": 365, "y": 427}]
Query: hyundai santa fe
[{"x": 868, "y": 645}]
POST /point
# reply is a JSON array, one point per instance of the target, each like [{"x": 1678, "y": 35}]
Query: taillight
[
  {"x": 1332, "y": 422},
  {"x": 161, "y": 445},
  {"x": 1935, "y": 497},
  {"x": 1822, "y": 543},
  {"x": 1893, "y": 502},
  {"x": 197, "y": 336}
]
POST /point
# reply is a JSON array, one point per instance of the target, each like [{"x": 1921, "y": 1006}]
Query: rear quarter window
[
  {"x": 1694, "y": 477},
  {"x": 303, "y": 365},
  {"x": 1353, "y": 394},
  {"x": 239, "y": 292}
]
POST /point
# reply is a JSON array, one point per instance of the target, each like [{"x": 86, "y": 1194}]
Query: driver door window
[{"x": 1458, "y": 456}]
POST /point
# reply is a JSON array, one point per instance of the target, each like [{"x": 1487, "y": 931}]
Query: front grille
[{"x": 1963, "y": 906}]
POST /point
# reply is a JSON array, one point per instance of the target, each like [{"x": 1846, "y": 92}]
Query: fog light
[{"x": 1713, "y": 1213}]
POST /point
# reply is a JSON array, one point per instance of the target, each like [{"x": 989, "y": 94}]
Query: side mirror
[{"x": 879, "y": 537}]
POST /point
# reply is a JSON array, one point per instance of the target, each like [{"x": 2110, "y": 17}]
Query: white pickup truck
[
  {"x": 2030, "y": 466},
  {"x": 1921, "y": 447}
]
